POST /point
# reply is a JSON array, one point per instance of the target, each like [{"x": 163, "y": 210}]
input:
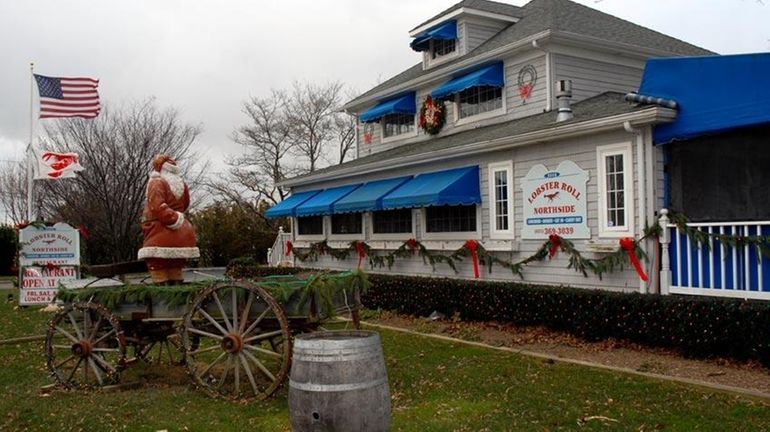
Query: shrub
[
  {"x": 697, "y": 326},
  {"x": 8, "y": 247},
  {"x": 247, "y": 268}
]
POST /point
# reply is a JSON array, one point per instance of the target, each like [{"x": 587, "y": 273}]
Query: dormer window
[
  {"x": 476, "y": 92},
  {"x": 396, "y": 115},
  {"x": 397, "y": 124},
  {"x": 440, "y": 48}
]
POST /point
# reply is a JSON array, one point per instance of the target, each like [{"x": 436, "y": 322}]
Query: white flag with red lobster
[{"x": 50, "y": 165}]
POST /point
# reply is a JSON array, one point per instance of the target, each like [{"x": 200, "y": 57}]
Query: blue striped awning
[
  {"x": 288, "y": 206},
  {"x": 403, "y": 104},
  {"x": 445, "y": 31},
  {"x": 369, "y": 196},
  {"x": 451, "y": 187},
  {"x": 488, "y": 76},
  {"x": 322, "y": 203}
]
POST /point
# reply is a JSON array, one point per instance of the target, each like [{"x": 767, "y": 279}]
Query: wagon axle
[
  {"x": 82, "y": 349},
  {"x": 232, "y": 343}
]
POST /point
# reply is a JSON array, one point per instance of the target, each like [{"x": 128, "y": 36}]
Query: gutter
[{"x": 649, "y": 115}]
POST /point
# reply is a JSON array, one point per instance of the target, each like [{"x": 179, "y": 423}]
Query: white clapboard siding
[
  {"x": 476, "y": 33},
  {"x": 582, "y": 151},
  {"x": 591, "y": 77}
]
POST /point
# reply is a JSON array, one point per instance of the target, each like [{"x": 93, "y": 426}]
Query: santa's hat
[{"x": 160, "y": 160}]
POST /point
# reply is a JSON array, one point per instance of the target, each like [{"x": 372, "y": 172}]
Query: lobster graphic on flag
[{"x": 52, "y": 165}]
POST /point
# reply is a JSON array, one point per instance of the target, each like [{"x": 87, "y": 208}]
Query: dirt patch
[{"x": 609, "y": 352}]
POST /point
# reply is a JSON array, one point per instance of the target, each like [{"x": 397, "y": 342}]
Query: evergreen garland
[{"x": 703, "y": 238}]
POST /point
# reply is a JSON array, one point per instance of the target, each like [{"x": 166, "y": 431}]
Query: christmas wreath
[{"x": 432, "y": 116}]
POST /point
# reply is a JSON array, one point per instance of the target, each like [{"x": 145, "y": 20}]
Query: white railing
[
  {"x": 714, "y": 268},
  {"x": 276, "y": 255}
]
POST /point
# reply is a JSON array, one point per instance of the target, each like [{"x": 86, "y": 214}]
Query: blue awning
[
  {"x": 452, "y": 187},
  {"x": 403, "y": 104},
  {"x": 445, "y": 31},
  {"x": 490, "y": 76},
  {"x": 288, "y": 206},
  {"x": 369, "y": 196},
  {"x": 714, "y": 93},
  {"x": 322, "y": 203}
]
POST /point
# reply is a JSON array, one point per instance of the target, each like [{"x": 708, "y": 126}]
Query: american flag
[{"x": 68, "y": 97}]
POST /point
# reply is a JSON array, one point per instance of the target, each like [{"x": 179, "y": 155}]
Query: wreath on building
[{"x": 432, "y": 116}]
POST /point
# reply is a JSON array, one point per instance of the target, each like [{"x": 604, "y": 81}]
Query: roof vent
[{"x": 563, "y": 99}]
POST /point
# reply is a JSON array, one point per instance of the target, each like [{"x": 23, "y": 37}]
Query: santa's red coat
[{"x": 167, "y": 233}]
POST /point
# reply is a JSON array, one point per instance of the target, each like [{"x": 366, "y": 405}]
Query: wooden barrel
[{"x": 338, "y": 382}]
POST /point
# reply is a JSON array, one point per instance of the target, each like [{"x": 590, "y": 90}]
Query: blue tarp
[
  {"x": 288, "y": 206},
  {"x": 714, "y": 93},
  {"x": 369, "y": 196},
  {"x": 452, "y": 187},
  {"x": 491, "y": 75},
  {"x": 445, "y": 31},
  {"x": 322, "y": 203},
  {"x": 403, "y": 104}
]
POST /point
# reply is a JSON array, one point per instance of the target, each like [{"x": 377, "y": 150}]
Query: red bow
[
  {"x": 361, "y": 252},
  {"x": 628, "y": 245},
  {"x": 555, "y": 243},
  {"x": 22, "y": 225},
  {"x": 83, "y": 232},
  {"x": 289, "y": 247},
  {"x": 473, "y": 246},
  {"x": 411, "y": 244}
]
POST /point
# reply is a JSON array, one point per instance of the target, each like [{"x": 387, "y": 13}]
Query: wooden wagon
[{"x": 234, "y": 337}]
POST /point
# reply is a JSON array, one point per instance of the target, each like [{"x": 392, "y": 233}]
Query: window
[
  {"x": 442, "y": 47},
  {"x": 501, "y": 200},
  {"x": 616, "y": 213},
  {"x": 450, "y": 219},
  {"x": 397, "y": 124},
  {"x": 348, "y": 223},
  {"x": 392, "y": 221},
  {"x": 478, "y": 100},
  {"x": 312, "y": 225}
]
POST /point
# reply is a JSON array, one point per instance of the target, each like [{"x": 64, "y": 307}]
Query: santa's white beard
[{"x": 170, "y": 173}]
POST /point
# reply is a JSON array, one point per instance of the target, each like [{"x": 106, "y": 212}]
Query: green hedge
[
  {"x": 8, "y": 246},
  {"x": 247, "y": 268},
  {"x": 698, "y": 326}
]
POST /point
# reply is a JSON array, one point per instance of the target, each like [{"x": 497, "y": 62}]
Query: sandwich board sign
[{"x": 49, "y": 255}]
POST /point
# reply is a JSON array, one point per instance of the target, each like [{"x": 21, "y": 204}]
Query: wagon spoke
[
  {"x": 95, "y": 329},
  {"x": 203, "y": 350},
  {"x": 256, "y": 322},
  {"x": 65, "y": 361},
  {"x": 245, "y": 315},
  {"x": 224, "y": 373},
  {"x": 221, "y": 311},
  {"x": 263, "y": 336},
  {"x": 64, "y": 347},
  {"x": 260, "y": 366},
  {"x": 105, "y": 336},
  {"x": 237, "y": 377},
  {"x": 96, "y": 371},
  {"x": 235, "y": 309},
  {"x": 208, "y": 368},
  {"x": 75, "y": 369},
  {"x": 75, "y": 325},
  {"x": 249, "y": 374},
  {"x": 104, "y": 364},
  {"x": 204, "y": 333},
  {"x": 105, "y": 349},
  {"x": 214, "y": 322},
  {"x": 263, "y": 351},
  {"x": 67, "y": 334}
]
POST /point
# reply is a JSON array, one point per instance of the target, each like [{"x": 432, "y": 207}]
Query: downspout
[
  {"x": 548, "y": 80},
  {"x": 641, "y": 187},
  {"x": 652, "y": 204}
]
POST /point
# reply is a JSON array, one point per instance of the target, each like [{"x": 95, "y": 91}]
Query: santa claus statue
[{"x": 169, "y": 238}]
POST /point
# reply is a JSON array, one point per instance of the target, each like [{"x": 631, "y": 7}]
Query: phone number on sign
[{"x": 559, "y": 231}]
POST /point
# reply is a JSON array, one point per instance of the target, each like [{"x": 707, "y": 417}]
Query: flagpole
[{"x": 30, "y": 177}]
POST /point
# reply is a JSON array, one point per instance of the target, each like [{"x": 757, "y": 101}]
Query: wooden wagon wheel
[
  {"x": 235, "y": 323},
  {"x": 164, "y": 351},
  {"x": 85, "y": 347}
]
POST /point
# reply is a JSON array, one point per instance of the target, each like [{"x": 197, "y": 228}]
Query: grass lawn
[{"x": 436, "y": 386}]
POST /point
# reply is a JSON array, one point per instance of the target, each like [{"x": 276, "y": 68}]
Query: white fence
[
  {"x": 713, "y": 267},
  {"x": 277, "y": 255}
]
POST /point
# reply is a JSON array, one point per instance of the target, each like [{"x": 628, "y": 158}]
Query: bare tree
[
  {"x": 311, "y": 110},
  {"x": 344, "y": 128},
  {"x": 13, "y": 191},
  {"x": 115, "y": 149}
]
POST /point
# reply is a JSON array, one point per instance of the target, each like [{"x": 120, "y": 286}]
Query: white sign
[
  {"x": 555, "y": 202},
  {"x": 40, "y": 284},
  {"x": 48, "y": 256},
  {"x": 58, "y": 244}
]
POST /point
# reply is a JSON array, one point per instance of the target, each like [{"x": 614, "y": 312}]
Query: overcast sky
[{"x": 204, "y": 57}]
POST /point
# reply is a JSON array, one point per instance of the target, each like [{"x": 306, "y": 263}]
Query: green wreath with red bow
[{"x": 432, "y": 116}]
